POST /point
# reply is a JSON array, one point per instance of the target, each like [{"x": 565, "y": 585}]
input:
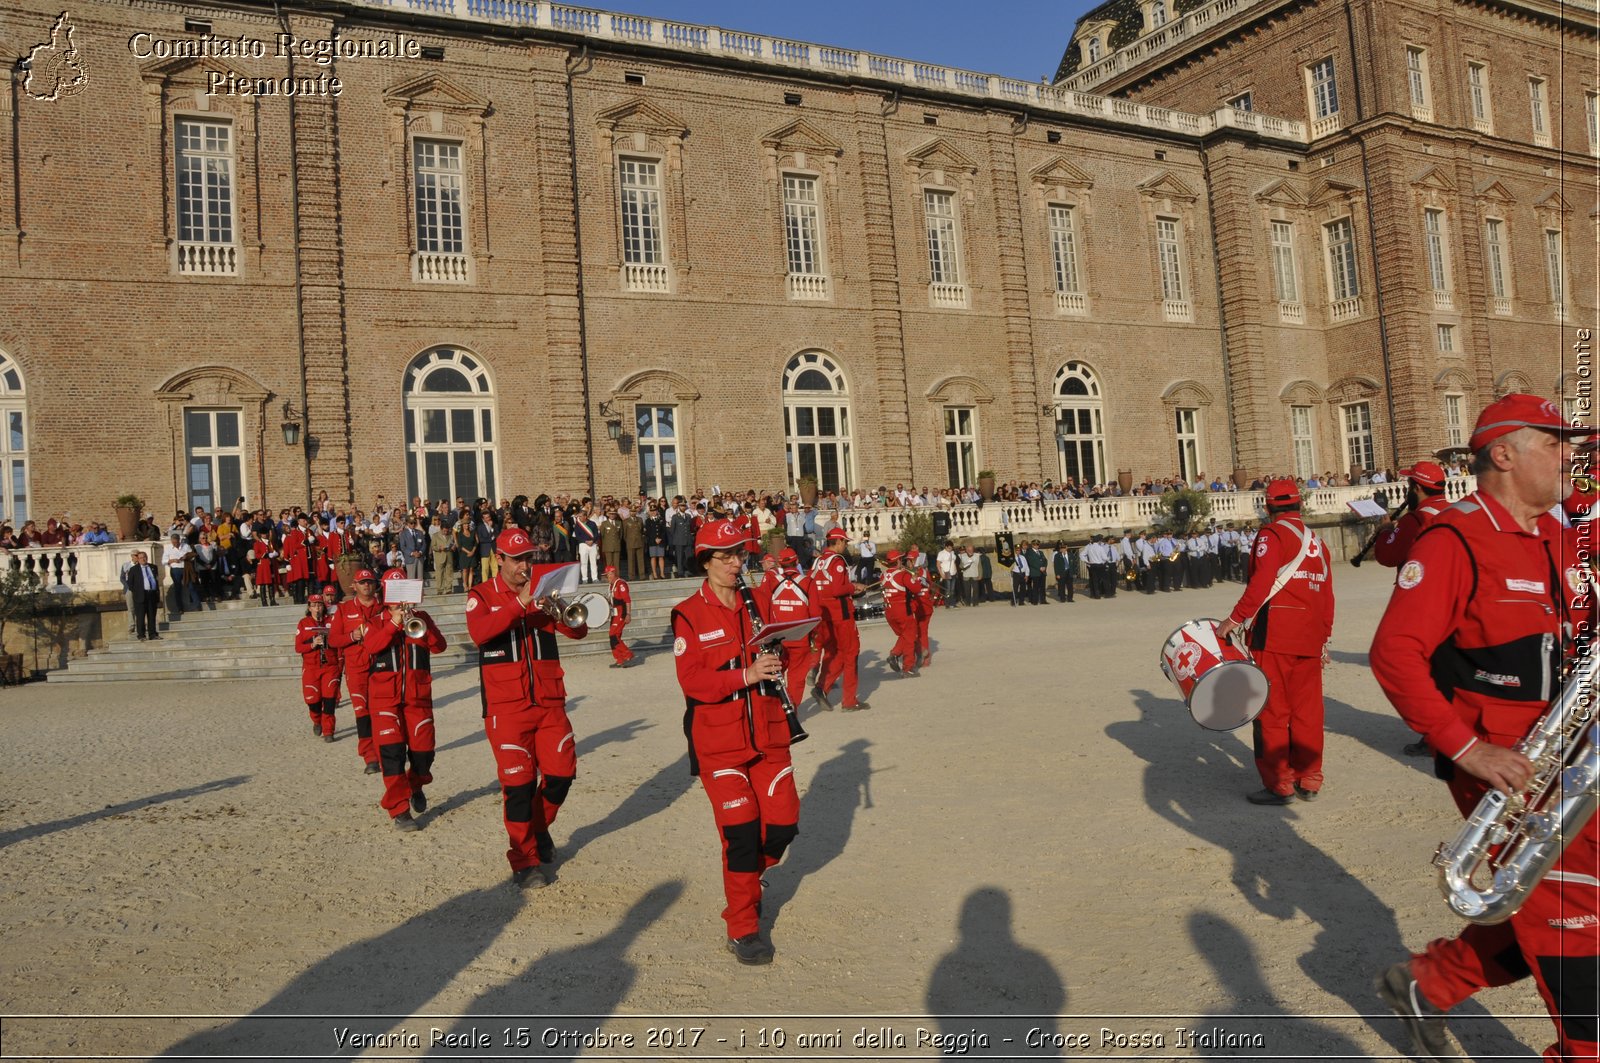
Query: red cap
[
  {"x": 1516, "y": 411},
  {"x": 365, "y": 575},
  {"x": 893, "y": 557},
  {"x": 1283, "y": 492},
  {"x": 513, "y": 542},
  {"x": 787, "y": 556},
  {"x": 721, "y": 535},
  {"x": 1427, "y": 475},
  {"x": 611, "y": 568},
  {"x": 837, "y": 533},
  {"x": 394, "y": 574},
  {"x": 328, "y": 588}
]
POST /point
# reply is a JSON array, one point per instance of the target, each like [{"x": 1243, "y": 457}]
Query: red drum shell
[{"x": 1220, "y": 684}]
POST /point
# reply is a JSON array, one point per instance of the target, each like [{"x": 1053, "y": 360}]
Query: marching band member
[
  {"x": 319, "y": 667},
  {"x": 266, "y": 569},
  {"x": 899, "y": 595},
  {"x": 789, "y": 595},
  {"x": 400, "y": 695},
  {"x": 924, "y": 597},
  {"x": 738, "y": 738},
  {"x": 524, "y": 704},
  {"x": 621, "y": 607},
  {"x": 1290, "y": 599},
  {"x": 1148, "y": 559},
  {"x": 295, "y": 553},
  {"x": 1470, "y": 652},
  {"x": 1427, "y": 502},
  {"x": 347, "y": 634},
  {"x": 839, "y": 637}
]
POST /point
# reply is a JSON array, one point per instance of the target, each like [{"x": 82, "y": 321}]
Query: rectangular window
[
  {"x": 1343, "y": 285},
  {"x": 1324, "y": 93},
  {"x": 1539, "y": 106},
  {"x": 961, "y": 445},
  {"x": 1553, "y": 265},
  {"x": 1064, "y": 248},
  {"x": 215, "y": 457},
  {"x": 1478, "y": 95},
  {"x": 1433, "y": 239},
  {"x": 437, "y": 174},
  {"x": 1454, "y": 421},
  {"x": 1358, "y": 436},
  {"x": 1446, "y": 335},
  {"x": 643, "y": 253},
  {"x": 802, "y": 230},
  {"x": 1168, "y": 253},
  {"x": 1496, "y": 261},
  {"x": 944, "y": 261},
  {"x": 659, "y": 474},
  {"x": 1283, "y": 271},
  {"x": 1242, "y": 102},
  {"x": 1305, "y": 454},
  {"x": 1417, "y": 80},
  {"x": 204, "y": 169},
  {"x": 1591, "y": 120},
  {"x": 1188, "y": 429}
]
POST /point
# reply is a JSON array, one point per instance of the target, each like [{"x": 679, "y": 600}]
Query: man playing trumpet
[
  {"x": 524, "y": 703},
  {"x": 400, "y": 646}
]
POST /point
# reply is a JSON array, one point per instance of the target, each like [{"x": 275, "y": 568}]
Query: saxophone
[{"x": 1509, "y": 842}]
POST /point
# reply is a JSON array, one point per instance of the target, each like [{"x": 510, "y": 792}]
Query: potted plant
[
  {"x": 808, "y": 490},
  {"x": 986, "y": 484},
  {"x": 129, "y": 509}
]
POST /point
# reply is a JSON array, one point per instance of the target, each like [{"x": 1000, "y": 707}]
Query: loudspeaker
[{"x": 941, "y": 525}]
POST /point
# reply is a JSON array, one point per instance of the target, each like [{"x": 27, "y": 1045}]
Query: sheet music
[{"x": 561, "y": 582}]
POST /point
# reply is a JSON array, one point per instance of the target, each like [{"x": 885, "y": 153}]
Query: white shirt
[
  {"x": 175, "y": 555},
  {"x": 947, "y": 562}
]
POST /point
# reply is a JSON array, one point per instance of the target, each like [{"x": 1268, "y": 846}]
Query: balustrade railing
[{"x": 76, "y": 569}]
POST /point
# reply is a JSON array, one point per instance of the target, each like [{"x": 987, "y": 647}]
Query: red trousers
[
  {"x": 399, "y": 732},
  {"x": 840, "y": 658},
  {"x": 924, "y": 647},
  {"x": 619, "y": 649},
  {"x": 1288, "y": 733},
  {"x": 798, "y": 659},
  {"x": 904, "y": 626},
  {"x": 320, "y": 686},
  {"x": 356, "y": 681},
  {"x": 1555, "y": 937},
  {"x": 536, "y": 758},
  {"x": 757, "y": 810}
]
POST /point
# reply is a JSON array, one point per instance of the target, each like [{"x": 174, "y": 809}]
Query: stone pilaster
[{"x": 1022, "y": 379}]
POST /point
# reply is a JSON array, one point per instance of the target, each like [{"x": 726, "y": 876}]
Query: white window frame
[
  {"x": 1285, "y": 271},
  {"x": 804, "y": 250},
  {"x": 1355, "y": 418},
  {"x": 1435, "y": 235},
  {"x": 205, "y": 180},
  {"x": 642, "y": 231},
  {"x": 1083, "y": 407},
  {"x": 1497, "y": 264},
  {"x": 1092, "y": 49},
  {"x": 1417, "y": 83},
  {"x": 1478, "y": 97},
  {"x": 652, "y": 442},
  {"x": 1322, "y": 92},
  {"x": 960, "y": 445},
  {"x": 941, "y": 215},
  {"x": 1187, "y": 426},
  {"x": 1243, "y": 102},
  {"x": 1539, "y": 109},
  {"x": 439, "y": 211},
  {"x": 16, "y": 489},
  {"x": 1066, "y": 264},
  {"x": 1455, "y": 422},
  {"x": 836, "y": 399},
  {"x": 1158, "y": 14},
  {"x": 1169, "y": 263},
  {"x": 478, "y": 398},
  {"x": 1302, "y": 440},
  {"x": 1344, "y": 278},
  {"x": 1591, "y": 120},
  {"x": 212, "y": 454},
  {"x": 1555, "y": 269},
  {"x": 1445, "y": 337}
]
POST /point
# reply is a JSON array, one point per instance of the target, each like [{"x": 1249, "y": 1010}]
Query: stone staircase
[{"x": 242, "y": 640}]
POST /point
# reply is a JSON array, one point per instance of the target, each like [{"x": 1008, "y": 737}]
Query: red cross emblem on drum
[{"x": 1219, "y": 682}]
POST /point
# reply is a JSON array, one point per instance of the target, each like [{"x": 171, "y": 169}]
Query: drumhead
[{"x": 1229, "y": 696}]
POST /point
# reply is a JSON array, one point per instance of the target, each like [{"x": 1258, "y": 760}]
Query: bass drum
[{"x": 1220, "y": 684}]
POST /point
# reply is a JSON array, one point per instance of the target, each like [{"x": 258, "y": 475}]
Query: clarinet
[
  {"x": 1404, "y": 508},
  {"x": 768, "y": 688}
]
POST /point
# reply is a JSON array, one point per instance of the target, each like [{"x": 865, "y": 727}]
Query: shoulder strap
[{"x": 1286, "y": 573}]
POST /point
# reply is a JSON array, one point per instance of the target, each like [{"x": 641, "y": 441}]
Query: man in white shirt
[
  {"x": 175, "y": 556},
  {"x": 949, "y": 574},
  {"x": 867, "y": 551},
  {"x": 1019, "y": 580}
]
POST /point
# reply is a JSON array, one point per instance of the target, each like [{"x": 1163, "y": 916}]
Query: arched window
[
  {"x": 13, "y": 443},
  {"x": 816, "y": 419},
  {"x": 1080, "y": 425},
  {"x": 450, "y": 427}
]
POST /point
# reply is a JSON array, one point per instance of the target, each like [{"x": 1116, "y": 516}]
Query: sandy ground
[{"x": 1034, "y": 828}]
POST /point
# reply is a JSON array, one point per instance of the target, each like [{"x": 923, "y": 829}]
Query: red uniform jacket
[
  {"x": 788, "y": 598},
  {"x": 727, "y": 723},
  {"x": 1472, "y": 642},
  {"x": 266, "y": 561},
  {"x": 1299, "y": 618},
  {"x": 831, "y": 578},
  {"x": 621, "y": 605},
  {"x": 401, "y": 667},
  {"x": 899, "y": 594},
  {"x": 349, "y": 615},
  {"x": 1393, "y": 547},
  {"x": 294, "y": 552},
  {"x": 518, "y": 661},
  {"x": 314, "y": 658},
  {"x": 921, "y": 594}
]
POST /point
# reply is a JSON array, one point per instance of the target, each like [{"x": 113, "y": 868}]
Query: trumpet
[
  {"x": 586, "y": 610},
  {"x": 415, "y": 627}
]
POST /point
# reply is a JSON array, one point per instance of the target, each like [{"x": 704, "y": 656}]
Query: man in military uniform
[{"x": 633, "y": 541}]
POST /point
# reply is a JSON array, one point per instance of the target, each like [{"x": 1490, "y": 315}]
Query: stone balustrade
[{"x": 78, "y": 569}]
